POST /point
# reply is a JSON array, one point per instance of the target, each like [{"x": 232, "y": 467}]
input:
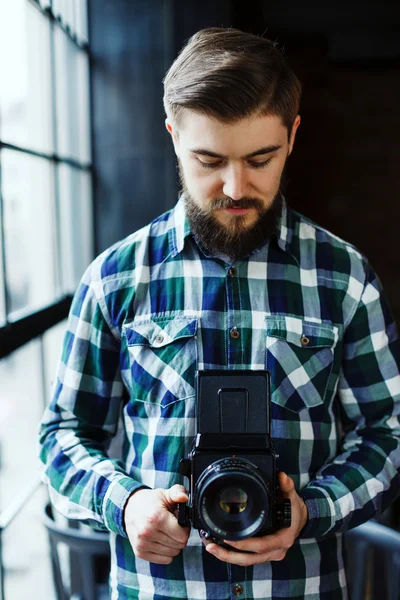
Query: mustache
[{"x": 229, "y": 203}]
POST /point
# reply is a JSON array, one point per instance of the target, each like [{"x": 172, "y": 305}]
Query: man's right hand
[{"x": 151, "y": 525}]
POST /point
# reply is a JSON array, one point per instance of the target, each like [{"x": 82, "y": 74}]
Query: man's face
[{"x": 230, "y": 175}]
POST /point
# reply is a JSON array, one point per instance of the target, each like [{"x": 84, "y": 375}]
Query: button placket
[{"x": 233, "y": 317}]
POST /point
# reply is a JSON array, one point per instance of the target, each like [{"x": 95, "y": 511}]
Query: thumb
[
  {"x": 176, "y": 493},
  {"x": 286, "y": 483}
]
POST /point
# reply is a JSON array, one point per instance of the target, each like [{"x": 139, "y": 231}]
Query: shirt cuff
[
  {"x": 115, "y": 500},
  {"x": 321, "y": 512}
]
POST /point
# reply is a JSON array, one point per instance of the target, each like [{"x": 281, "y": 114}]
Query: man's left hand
[{"x": 269, "y": 547}]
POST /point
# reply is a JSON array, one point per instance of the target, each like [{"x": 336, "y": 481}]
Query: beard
[{"x": 233, "y": 239}]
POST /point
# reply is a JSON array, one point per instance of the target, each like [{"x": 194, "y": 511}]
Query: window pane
[
  {"x": 77, "y": 230},
  {"x": 2, "y": 288},
  {"x": 58, "y": 6},
  {"x": 27, "y": 563},
  {"x": 25, "y": 92},
  {"x": 52, "y": 345},
  {"x": 27, "y": 187},
  {"x": 84, "y": 112},
  {"x": 81, "y": 20},
  {"x": 67, "y": 14},
  {"x": 72, "y": 80},
  {"x": 21, "y": 407}
]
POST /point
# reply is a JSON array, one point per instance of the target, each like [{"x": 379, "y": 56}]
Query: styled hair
[{"x": 229, "y": 74}]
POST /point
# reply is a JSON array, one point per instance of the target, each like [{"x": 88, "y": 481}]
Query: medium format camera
[{"x": 233, "y": 492}]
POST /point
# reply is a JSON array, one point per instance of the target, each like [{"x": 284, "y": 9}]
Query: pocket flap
[
  {"x": 159, "y": 332},
  {"x": 302, "y": 333}
]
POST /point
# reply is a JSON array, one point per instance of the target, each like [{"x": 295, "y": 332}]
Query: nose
[{"x": 236, "y": 182}]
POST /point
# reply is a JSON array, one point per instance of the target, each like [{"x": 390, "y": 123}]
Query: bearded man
[{"x": 231, "y": 279}]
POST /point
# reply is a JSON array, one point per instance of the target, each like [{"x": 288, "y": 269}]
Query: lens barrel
[{"x": 232, "y": 499}]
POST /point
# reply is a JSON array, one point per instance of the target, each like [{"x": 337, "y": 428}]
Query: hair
[{"x": 230, "y": 75}]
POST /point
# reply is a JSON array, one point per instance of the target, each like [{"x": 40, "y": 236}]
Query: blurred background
[{"x": 85, "y": 160}]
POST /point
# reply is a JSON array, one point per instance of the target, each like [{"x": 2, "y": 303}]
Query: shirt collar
[
  {"x": 285, "y": 228},
  {"x": 179, "y": 228}
]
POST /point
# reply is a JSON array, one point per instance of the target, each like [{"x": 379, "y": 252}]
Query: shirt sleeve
[
  {"x": 364, "y": 478},
  {"x": 77, "y": 427}
]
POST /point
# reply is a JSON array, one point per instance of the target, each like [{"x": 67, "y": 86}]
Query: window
[
  {"x": 2, "y": 282},
  {"x": 21, "y": 406},
  {"x": 76, "y": 217},
  {"x": 46, "y": 242},
  {"x": 25, "y": 80},
  {"x": 27, "y": 564},
  {"x": 29, "y": 227},
  {"x": 72, "y": 91}
]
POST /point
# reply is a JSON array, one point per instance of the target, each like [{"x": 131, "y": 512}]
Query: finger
[
  {"x": 176, "y": 493},
  {"x": 268, "y": 543},
  {"x": 228, "y": 556},
  {"x": 144, "y": 546},
  {"x": 244, "y": 560},
  {"x": 169, "y": 525},
  {"x": 155, "y": 558},
  {"x": 286, "y": 483},
  {"x": 161, "y": 538}
]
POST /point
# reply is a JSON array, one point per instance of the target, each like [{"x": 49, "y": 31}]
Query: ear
[
  {"x": 293, "y": 133},
  {"x": 174, "y": 135}
]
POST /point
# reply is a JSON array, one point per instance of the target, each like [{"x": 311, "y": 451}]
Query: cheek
[
  {"x": 202, "y": 184},
  {"x": 269, "y": 182}
]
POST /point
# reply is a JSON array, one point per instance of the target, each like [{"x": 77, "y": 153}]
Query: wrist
[
  {"x": 125, "y": 510},
  {"x": 303, "y": 515}
]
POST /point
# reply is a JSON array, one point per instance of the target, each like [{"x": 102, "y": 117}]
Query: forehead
[{"x": 236, "y": 139}]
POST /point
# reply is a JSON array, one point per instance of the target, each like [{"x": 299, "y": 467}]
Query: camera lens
[{"x": 232, "y": 499}]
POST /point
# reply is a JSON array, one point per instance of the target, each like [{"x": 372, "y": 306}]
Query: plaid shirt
[{"x": 154, "y": 308}]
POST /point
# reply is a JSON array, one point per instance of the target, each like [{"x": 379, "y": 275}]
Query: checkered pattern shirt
[{"x": 153, "y": 309}]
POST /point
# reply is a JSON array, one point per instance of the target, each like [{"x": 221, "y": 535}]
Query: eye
[
  {"x": 259, "y": 165},
  {"x": 210, "y": 165}
]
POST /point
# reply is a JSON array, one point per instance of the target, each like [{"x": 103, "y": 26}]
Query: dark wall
[
  {"x": 344, "y": 170},
  {"x": 133, "y": 42}
]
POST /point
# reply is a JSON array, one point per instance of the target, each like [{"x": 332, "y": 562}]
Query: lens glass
[{"x": 233, "y": 500}]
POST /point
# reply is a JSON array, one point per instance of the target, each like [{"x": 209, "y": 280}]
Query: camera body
[{"x": 233, "y": 491}]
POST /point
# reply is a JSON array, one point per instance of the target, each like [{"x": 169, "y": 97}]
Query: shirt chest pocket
[
  {"x": 162, "y": 358},
  {"x": 300, "y": 357}
]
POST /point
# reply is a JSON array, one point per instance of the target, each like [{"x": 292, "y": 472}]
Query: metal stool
[
  {"x": 373, "y": 562},
  {"x": 86, "y": 547}
]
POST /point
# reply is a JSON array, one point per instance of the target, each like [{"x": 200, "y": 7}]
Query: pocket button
[
  {"x": 159, "y": 339},
  {"x": 235, "y": 334},
  {"x": 304, "y": 340}
]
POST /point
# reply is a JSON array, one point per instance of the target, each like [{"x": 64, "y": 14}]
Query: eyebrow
[{"x": 265, "y": 150}]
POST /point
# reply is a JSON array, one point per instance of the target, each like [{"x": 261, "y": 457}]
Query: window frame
[
  {"x": 37, "y": 322},
  {"x": 17, "y": 329}
]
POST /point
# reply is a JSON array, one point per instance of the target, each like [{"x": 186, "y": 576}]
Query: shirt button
[
  {"x": 232, "y": 271},
  {"x": 235, "y": 334},
  {"x": 304, "y": 340},
  {"x": 159, "y": 339},
  {"x": 238, "y": 589}
]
